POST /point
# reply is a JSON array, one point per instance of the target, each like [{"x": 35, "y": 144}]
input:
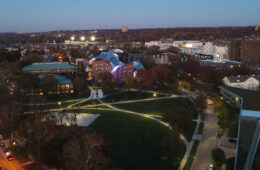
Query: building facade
[
  {"x": 244, "y": 82},
  {"x": 247, "y": 147},
  {"x": 246, "y": 50},
  {"x": 51, "y": 67}
]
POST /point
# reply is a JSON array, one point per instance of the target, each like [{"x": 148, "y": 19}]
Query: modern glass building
[{"x": 247, "y": 149}]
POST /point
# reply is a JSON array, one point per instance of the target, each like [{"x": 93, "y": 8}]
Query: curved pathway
[{"x": 188, "y": 145}]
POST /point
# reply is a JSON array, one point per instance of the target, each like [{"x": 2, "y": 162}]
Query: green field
[
  {"x": 135, "y": 141},
  {"x": 192, "y": 155},
  {"x": 159, "y": 107},
  {"x": 129, "y": 95},
  {"x": 154, "y": 107}
]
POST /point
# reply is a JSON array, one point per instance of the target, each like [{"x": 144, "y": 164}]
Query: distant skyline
[{"x": 49, "y": 15}]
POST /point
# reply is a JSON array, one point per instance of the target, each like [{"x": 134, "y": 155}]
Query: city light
[
  {"x": 72, "y": 38},
  {"x": 92, "y": 38},
  {"x": 59, "y": 103},
  {"x": 82, "y": 38},
  {"x": 154, "y": 95}
]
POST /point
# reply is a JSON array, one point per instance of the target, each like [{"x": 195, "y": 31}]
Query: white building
[
  {"x": 124, "y": 28},
  {"x": 244, "y": 82},
  {"x": 162, "y": 45}
]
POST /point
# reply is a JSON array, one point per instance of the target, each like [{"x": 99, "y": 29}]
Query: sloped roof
[
  {"x": 61, "y": 79},
  {"x": 114, "y": 61},
  {"x": 242, "y": 78},
  {"x": 49, "y": 66},
  {"x": 251, "y": 99}
]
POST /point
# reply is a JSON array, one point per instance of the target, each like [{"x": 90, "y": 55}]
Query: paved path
[
  {"x": 9, "y": 165},
  {"x": 190, "y": 95},
  {"x": 143, "y": 115},
  {"x": 208, "y": 140}
]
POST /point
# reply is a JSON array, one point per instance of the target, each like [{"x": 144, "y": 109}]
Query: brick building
[
  {"x": 109, "y": 62},
  {"x": 245, "y": 50}
]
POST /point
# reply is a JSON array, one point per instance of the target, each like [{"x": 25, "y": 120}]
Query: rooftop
[
  {"x": 61, "y": 79},
  {"x": 242, "y": 78},
  {"x": 250, "y": 98},
  {"x": 49, "y": 66}
]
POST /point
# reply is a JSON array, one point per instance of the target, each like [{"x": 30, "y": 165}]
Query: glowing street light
[
  {"x": 154, "y": 95},
  {"x": 59, "y": 103},
  {"x": 92, "y": 38},
  {"x": 72, "y": 38},
  {"x": 82, "y": 38}
]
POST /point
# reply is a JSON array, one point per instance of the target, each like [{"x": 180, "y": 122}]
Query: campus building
[
  {"x": 58, "y": 70},
  {"x": 247, "y": 149},
  {"x": 51, "y": 67},
  {"x": 246, "y": 50},
  {"x": 64, "y": 86},
  {"x": 250, "y": 82},
  {"x": 109, "y": 62}
]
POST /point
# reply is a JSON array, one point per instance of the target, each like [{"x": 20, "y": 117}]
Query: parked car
[
  {"x": 212, "y": 167},
  {"x": 210, "y": 102},
  {"x": 232, "y": 140},
  {"x": 8, "y": 154}
]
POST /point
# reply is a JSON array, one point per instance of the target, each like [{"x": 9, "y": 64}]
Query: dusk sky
[{"x": 47, "y": 15}]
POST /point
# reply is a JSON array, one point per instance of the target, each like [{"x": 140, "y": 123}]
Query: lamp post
[
  {"x": 82, "y": 38},
  {"x": 92, "y": 38}
]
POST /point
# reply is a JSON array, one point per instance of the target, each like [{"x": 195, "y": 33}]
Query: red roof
[{"x": 175, "y": 58}]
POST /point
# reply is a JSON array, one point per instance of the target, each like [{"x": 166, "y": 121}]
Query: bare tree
[
  {"x": 72, "y": 119},
  {"x": 61, "y": 115}
]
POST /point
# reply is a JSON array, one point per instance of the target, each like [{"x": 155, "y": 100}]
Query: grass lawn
[
  {"x": 57, "y": 98},
  {"x": 192, "y": 155},
  {"x": 129, "y": 95},
  {"x": 158, "y": 107},
  {"x": 187, "y": 133},
  {"x": 88, "y": 102},
  {"x": 135, "y": 141},
  {"x": 48, "y": 106},
  {"x": 201, "y": 127},
  {"x": 155, "y": 107}
]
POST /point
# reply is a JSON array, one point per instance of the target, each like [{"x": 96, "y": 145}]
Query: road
[
  {"x": 9, "y": 165},
  {"x": 208, "y": 140}
]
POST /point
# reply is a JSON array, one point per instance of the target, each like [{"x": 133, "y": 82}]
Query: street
[
  {"x": 208, "y": 140},
  {"x": 9, "y": 165}
]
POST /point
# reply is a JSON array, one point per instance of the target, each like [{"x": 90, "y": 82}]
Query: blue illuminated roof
[
  {"x": 114, "y": 61},
  {"x": 61, "y": 79},
  {"x": 111, "y": 57},
  {"x": 138, "y": 66},
  {"x": 49, "y": 66}
]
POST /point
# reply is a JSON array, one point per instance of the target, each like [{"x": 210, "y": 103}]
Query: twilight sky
[{"x": 46, "y": 15}]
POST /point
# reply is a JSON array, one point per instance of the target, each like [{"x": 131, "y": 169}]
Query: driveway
[{"x": 208, "y": 141}]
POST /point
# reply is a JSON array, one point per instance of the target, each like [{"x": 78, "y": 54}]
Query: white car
[{"x": 212, "y": 167}]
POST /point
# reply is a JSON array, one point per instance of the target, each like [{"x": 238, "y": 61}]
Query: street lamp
[
  {"x": 92, "y": 38},
  {"x": 154, "y": 95},
  {"x": 72, "y": 38},
  {"x": 82, "y": 38},
  {"x": 59, "y": 103}
]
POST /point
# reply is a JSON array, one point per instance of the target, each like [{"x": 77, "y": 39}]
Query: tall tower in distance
[{"x": 124, "y": 28}]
